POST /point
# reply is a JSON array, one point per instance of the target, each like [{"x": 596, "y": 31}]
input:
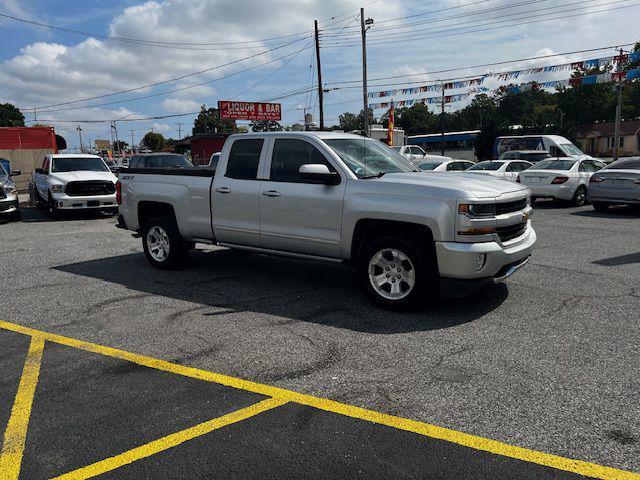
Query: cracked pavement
[{"x": 550, "y": 361}]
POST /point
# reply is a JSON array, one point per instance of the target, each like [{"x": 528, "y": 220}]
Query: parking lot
[{"x": 251, "y": 366}]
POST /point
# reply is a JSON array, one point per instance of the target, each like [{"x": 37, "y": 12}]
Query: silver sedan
[{"x": 617, "y": 184}]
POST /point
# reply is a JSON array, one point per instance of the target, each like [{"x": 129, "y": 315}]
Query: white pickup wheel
[{"x": 163, "y": 245}]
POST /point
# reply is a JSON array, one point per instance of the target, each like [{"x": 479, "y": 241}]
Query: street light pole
[
  {"x": 619, "y": 87},
  {"x": 79, "y": 129}
]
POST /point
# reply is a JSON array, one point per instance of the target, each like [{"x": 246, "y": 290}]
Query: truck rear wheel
[
  {"x": 396, "y": 273},
  {"x": 163, "y": 245}
]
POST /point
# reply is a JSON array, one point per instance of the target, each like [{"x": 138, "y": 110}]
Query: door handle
[
  {"x": 271, "y": 193},
  {"x": 223, "y": 190}
]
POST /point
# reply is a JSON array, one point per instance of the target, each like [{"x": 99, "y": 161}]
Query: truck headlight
[
  {"x": 474, "y": 210},
  {"x": 57, "y": 188}
]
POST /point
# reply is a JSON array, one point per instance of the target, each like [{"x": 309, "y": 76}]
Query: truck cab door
[
  {"x": 235, "y": 194},
  {"x": 296, "y": 214},
  {"x": 40, "y": 179}
]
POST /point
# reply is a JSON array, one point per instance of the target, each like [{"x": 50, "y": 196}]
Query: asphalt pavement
[{"x": 548, "y": 362}]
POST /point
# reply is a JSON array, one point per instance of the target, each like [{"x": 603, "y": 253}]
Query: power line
[
  {"x": 493, "y": 64},
  {"x": 342, "y": 45},
  {"x": 171, "y": 80},
  {"x": 156, "y": 43},
  {"x": 453, "y": 17},
  {"x": 181, "y": 89},
  {"x": 526, "y": 15}
]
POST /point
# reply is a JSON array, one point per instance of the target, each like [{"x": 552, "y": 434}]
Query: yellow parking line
[
  {"x": 170, "y": 441},
  {"x": 16, "y": 432},
  {"x": 453, "y": 436}
]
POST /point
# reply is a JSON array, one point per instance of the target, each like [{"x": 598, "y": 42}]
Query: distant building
[
  {"x": 460, "y": 145},
  {"x": 26, "y": 147},
  {"x": 201, "y": 146},
  {"x": 598, "y": 139}
]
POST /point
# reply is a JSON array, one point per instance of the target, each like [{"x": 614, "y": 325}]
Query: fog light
[{"x": 481, "y": 260}]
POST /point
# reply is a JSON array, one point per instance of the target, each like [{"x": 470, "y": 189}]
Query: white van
[{"x": 556, "y": 145}]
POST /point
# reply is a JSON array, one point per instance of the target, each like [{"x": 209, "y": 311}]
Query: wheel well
[
  {"x": 370, "y": 228},
  {"x": 148, "y": 210}
]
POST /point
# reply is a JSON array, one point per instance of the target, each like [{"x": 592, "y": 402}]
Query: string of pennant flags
[
  {"x": 631, "y": 75},
  {"x": 504, "y": 76}
]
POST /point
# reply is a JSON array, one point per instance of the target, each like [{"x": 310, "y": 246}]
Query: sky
[{"x": 264, "y": 50}]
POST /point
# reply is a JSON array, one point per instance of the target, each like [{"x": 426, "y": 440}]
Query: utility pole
[
  {"x": 132, "y": 142},
  {"x": 364, "y": 26},
  {"x": 79, "y": 129},
  {"x": 619, "y": 87},
  {"x": 442, "y": 123},
  {"x": 179, "y": 131},
  {"x": 114, "y": 129},
  {"x": 320, "y": 90}
]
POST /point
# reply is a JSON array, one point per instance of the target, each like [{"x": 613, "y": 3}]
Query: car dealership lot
[{"x": 549, "y": 362}]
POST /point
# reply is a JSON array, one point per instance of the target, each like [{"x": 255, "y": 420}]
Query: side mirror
[
  {"x": 40, "y": 171},
  {"x": 15, "y": 173},
  {"x": 318, "y": 173}
]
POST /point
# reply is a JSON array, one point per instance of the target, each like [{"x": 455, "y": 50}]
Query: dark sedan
[{"x": 617, "y": 184}]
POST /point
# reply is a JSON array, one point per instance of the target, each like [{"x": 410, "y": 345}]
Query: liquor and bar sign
[{"x": 249, "y": 110}]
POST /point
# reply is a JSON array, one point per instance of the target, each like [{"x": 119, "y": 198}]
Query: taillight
[
  {"x": 118, "y": 193},
  {"x": 595, "y": 179},
  {"x": 559, "y": 180}
]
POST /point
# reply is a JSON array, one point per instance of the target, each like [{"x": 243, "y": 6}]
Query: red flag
[{"x": 391, "y": 125}]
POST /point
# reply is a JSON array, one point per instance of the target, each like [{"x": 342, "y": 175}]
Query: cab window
[
  {"x": 289, "y": 155},
  {"x": 244, "y": 158}
]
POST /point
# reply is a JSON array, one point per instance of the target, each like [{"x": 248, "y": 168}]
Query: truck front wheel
[
  {"x": 163, "y": 245},
  {"x": 397, "y": 273}
]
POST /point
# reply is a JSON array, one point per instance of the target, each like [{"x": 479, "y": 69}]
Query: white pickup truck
[
  {"x": 74, "y": 182},
  {"x": 336, "y": 197}
]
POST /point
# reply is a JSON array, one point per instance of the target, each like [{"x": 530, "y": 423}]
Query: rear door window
[{"x": 244, "y": 159}]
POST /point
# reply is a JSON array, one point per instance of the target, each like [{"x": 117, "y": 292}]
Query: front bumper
[
  {"x": 465, "y": 267},
  {"x": 65, "y": 202},
  {"x": 9, "y": 205}
]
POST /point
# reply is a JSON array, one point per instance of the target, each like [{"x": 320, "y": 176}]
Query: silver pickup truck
[{"x": 336, "y": 197}]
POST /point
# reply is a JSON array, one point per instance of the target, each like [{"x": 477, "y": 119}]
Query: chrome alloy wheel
[
  {"x": 391, "y": 274},
  {"x": 158, "y": 243}
]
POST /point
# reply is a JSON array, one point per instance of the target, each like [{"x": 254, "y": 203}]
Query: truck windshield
[
  {"x": 366, "y": 157},
  {"x": 78, "y": 164},
  {"x": 571, "y": 149}
]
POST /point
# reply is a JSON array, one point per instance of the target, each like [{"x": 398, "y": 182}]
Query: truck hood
[
  {"x": 480, "y": 186},
  {"x": 79, "y": 176}
]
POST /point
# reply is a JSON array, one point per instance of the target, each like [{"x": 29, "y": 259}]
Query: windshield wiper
[{"x": 377, "y": 175}]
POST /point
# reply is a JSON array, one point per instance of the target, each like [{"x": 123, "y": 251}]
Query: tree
[
  {"x": 10, "y": 116},
  {"x": 265, "y": 126},
  {"x": 154, "y": 141},
  {"x": 350, "y": 122},
  {"x": 208, "y": 121}
]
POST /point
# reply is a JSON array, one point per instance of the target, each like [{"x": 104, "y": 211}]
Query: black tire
[
  {"x": 580, "y": 197},
  {"x": 178, "y": 252},
  {"x": 39, "y": 202},
  {"x": 601, "y": 207},
  {"x": 425, "y": 285},
  {"x": 54, "y": 213}
]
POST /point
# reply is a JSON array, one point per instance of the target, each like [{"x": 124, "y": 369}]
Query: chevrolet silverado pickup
[{"x": 336, "y": 197}]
